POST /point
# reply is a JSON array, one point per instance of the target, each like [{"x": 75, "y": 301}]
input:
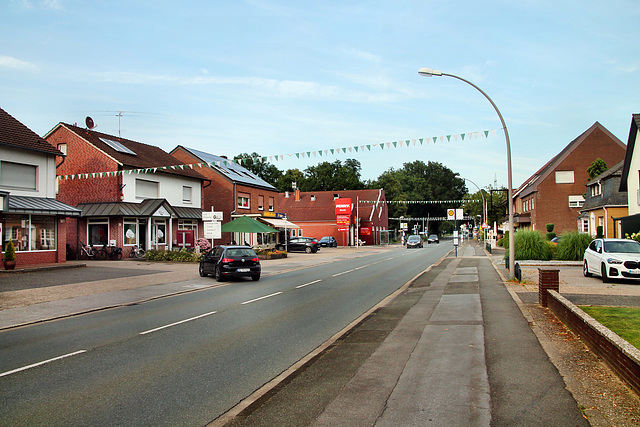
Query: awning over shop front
[
  {"x": 279, "y": 222},
  {"x": 40, "y": 206}
]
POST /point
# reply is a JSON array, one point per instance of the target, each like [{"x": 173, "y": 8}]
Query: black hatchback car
[
  {"x": 304, "y": 244},
  {"x": 230, "y": 261},
  {"x": 328, "y": 241}
]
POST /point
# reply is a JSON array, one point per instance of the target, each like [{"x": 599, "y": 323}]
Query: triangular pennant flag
[
  {"x": 462, "y": 136},
  {"x": 369, "y": 147},
  {"x": 435, "y": 138},
  {"x": 395, "y": 143},
  {"x": 420, "y": 141},
  {"x": 486, "y": 133},
  {"x": 449, "y": 138}
]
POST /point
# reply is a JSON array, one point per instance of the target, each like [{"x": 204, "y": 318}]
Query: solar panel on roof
[{"x": 117, "y": 146}]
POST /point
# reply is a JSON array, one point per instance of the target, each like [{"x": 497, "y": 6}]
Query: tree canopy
[{"x": 597, "y": 167}]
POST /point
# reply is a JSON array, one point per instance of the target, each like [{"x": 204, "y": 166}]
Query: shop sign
[
  {"x": 343, "y": 219},
  {"x": 343, "y": 206},
  {"x": 343, "y": 229},
  {"x": 365, "y": 231}
]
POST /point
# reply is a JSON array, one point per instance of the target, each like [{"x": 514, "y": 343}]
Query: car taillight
[
  {"x": 227, "y": 260},
  {"x": 256, "y": 259}
]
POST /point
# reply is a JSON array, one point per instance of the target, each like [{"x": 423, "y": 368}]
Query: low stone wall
[{"x": 621, "y": 356}]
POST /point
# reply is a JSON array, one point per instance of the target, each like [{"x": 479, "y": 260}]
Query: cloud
[{"x": 16, "y": 64}]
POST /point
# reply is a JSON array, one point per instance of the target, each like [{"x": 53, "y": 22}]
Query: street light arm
[{"x": 428, "y": 72}]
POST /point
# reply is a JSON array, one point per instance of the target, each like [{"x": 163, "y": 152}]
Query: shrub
[
  {"x": 172, "y": 256},
  {"x": 504, "y": 240},
  {"x": 529, "y": 244},
  {"x": 550, "y": 236},
  {"x": 550, "y": 227},
  {"x": 572, "y": 246},
  {"x": 203, "y": 244},
  {"x": 10, "y": 251}
]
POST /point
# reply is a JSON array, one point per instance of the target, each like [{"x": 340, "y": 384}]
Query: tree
[
  {"x": 285, "y": 182},
  {"x": 419, "y": 181},
  {"x": 254, "y": 163},
  {"x": 334, "y": 176},
  {"x": 596, "y": 168}
]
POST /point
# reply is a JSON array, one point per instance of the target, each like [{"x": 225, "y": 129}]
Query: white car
[{"x": 612, "y": 258}]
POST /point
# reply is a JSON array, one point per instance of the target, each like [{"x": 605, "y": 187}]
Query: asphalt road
[{"x": 186, "y": 360}]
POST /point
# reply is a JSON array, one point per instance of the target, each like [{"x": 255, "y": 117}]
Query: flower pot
[{"x": 9, "y": 265}]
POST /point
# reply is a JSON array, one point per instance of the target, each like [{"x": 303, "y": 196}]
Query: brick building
[
  {"x": 30, "y": 214},
  {"x": 555, "y": 193},
  {"x": 130, "y": 193},
  {"x": 604, "y": 202},
  {"x": 315, "y": 213},
  {"x": 235, "y": 191}
]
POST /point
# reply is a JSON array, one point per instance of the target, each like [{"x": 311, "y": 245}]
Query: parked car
[
  {"x": 414, "y": 241},
  {"x": 304, "y": 244},
  {"x": 556, "y": 240},
  {"x": 433, "y": 238},
  {"x": 230, "y": 261},
  {"x": 328, "y": 241},
  {"x": 609, "y": 258}
]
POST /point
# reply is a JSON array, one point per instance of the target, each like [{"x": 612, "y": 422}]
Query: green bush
[
  {"x": 550, "y": 236},
  {"x": 504, "y": 240},
  {"x": 572, "y": 246},
  {"x": 550, "y": 227},
  {"x": 10, "y": 251},
  {"x": 172, "y": 256},
  {"x": 529, "y": 244}
]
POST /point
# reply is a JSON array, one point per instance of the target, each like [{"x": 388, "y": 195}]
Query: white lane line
[
  {"x": 344, "y": 272},
  {"x": 307, "y": 284},
  {"x": 258, "y": 299},
  {"x": 24, "y": 368},
  {"x": 177, "y": 323}
]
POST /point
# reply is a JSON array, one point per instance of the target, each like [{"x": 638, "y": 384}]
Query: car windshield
[
  {"x": 240, "y": 252},
  {"x": 433, "y": 236},
  {"x": 412, "y": 238},
  {"x": 627, "y": 247}
]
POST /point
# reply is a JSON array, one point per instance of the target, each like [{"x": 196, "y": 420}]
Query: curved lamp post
[{"x": 428, "y": 73}]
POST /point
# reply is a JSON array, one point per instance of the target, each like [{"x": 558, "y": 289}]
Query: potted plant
[{"x": 9, "y": 259}]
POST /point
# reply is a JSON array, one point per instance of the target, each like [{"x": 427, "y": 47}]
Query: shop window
[
  {"x": 98, "y": 231},
  {"x": 131, "y": 231},
  {"x": 43, "y": 233}
]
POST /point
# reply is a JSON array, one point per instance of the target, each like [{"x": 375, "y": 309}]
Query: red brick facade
[{"x": 544, "y": 198}]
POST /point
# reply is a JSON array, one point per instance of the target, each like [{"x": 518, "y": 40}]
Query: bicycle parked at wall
[
  {"x": 111, "y": 252},
  {"x": 89, "y": 252},
  {"x": 136, "y": 252}
]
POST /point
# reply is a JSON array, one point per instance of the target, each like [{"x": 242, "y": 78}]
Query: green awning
[{"x": 246, "y": 224}]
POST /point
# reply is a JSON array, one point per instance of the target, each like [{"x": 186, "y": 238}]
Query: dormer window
[{"x": 596, "y": 189}]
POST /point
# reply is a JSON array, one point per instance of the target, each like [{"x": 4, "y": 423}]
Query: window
[
  {"x": 18, "y": 175},
  {"x": 576, "y": 201},
  {"x": 30, "y": 232},
  {"x": 243, "y": 201},
  {"x": 596, "y": 189},
  {"x": 564, "y": 177},
  {"x": 132, "y": 228},
  {"x": 159, "y": 231},
  {"x": 98, "y": 231},
  {"x": 146, "y": 189},
  {"x": 271, "y": 204},
  {"x": 63, "y": 148},
  {"x": 186, "y": 194},
  {"x": 260, "y": 203}
]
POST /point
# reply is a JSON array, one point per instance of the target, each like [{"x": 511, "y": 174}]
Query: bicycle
[
  {"x": 136, "y": 252},
  {"x": 111, "y": 252},
  {"x": 88, "y": 252}
]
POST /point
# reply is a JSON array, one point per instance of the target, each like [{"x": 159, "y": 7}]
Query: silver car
[{"x": 612, "y": 258}]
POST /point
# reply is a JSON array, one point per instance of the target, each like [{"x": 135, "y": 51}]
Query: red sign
[
  {"x": 343, "y": 206},
  {"x": 365, "y": 231},
  {"x": 343, "y": 219},
  {"x": 343, "y": 229}
]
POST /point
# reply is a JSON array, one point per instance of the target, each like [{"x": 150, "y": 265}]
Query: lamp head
[{"x": 428, "y": 72}]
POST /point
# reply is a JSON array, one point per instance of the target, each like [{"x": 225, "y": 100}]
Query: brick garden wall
[{"x": 621, "y": 356}]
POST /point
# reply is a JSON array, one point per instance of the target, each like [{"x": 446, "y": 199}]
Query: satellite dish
[{"x": 89, "y": 122}]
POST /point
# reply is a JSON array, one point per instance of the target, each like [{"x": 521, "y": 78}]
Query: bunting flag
[
  {"x": 334, "y": 151},
  {"x": 421, "y": 202}
]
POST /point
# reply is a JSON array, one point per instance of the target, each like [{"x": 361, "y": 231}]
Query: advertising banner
[{"x": 343, "y": 219}]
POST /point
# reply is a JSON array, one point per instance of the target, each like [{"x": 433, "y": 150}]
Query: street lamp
[
  {"x": 484, "y": 204},
  {"x": 428, "y": 73}
]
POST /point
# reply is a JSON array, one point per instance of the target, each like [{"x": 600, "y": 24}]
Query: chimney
[
  {"x": 297, "y": 195},
  {"x": 286, "y": 194},
  {"x": 313, "y": 197}
]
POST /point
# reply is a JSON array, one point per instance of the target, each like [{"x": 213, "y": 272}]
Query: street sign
[
  {"x": 213, "y": 230},
  {"x": 485, "y": 225},
  {"x": 212, "y": 216}
]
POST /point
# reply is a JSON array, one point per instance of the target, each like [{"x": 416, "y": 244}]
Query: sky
[{"x": 292, "y": 80}]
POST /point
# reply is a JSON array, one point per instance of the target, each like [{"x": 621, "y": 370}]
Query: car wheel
[
  {"x": 255, "y": 278},
  {"x": 201, "y": 271},
  {"x": 603, "y": 274},
  {"x": 219, "y": 277},
  {"x": 585, "y": 269},
  {"x": 308, "y": 250}
]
